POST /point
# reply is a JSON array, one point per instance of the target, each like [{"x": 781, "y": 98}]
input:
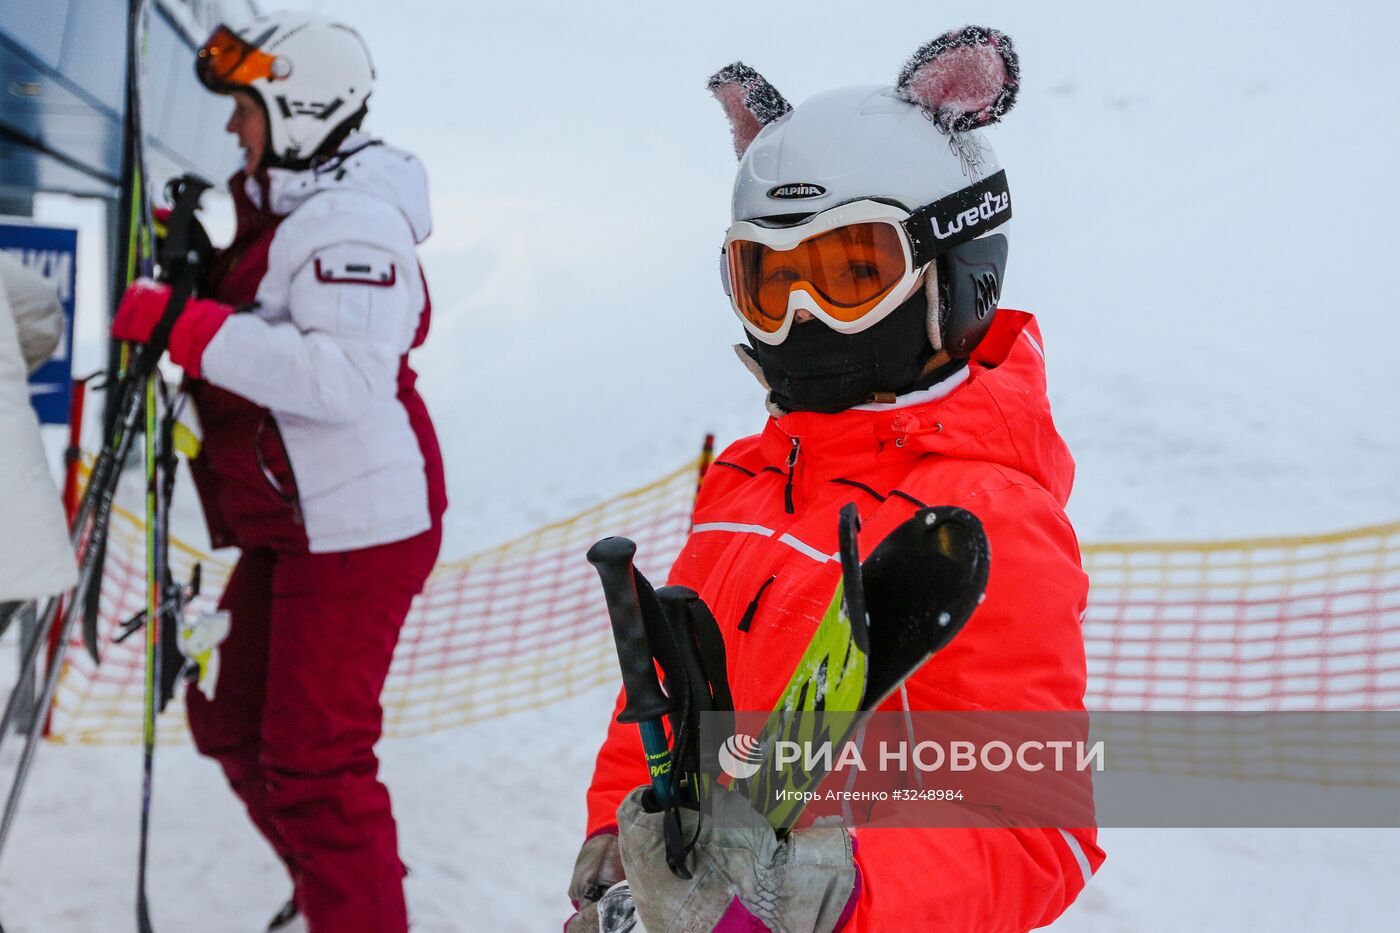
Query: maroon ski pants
[{"x": 296, "y": 716}]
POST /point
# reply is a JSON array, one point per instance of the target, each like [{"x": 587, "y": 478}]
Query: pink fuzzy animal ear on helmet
[
  {"x": 964, "y": 79},
  {"x": 749, "y": 101}
]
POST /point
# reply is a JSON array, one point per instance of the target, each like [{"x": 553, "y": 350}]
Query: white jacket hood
[{"x": 364, "y": 165}]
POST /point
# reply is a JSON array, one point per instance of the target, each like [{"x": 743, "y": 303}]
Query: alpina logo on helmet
[{"x": 796, "y": 191}]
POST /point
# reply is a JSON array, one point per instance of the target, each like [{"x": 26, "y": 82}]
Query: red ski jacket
[{"x": 764, "y": 531}]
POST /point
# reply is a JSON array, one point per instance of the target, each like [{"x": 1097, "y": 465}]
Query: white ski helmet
[
  {"x": 312, "y": 74},
  {"x": 916, "y": 145}
]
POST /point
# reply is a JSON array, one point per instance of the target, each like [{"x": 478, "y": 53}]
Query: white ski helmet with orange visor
[
  {"x": 311, "y": 73},
  {"x": 846, "y": 205}
]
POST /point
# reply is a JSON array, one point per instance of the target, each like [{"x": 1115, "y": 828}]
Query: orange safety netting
[
  {"x": 1308, "y": 623},
  {"x": 515, "y": 627},
  {"x": 1299, "y": 623},
  {"x": 1271, "y": 624}
]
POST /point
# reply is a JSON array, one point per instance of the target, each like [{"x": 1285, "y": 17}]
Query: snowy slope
[{"x": 1205, "y": 207}]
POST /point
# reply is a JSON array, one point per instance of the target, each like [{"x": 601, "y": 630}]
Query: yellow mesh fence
[
  {"x": 1296, "y": 626},
  {"x": 513, "y": 628},
  {"x": 1303, "y": 623},
  {"x": 1300, "y": 623}
]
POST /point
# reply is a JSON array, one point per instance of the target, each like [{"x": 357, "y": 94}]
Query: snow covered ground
[{"x": 1206, "y": 209}]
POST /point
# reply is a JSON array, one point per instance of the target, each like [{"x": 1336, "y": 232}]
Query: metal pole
[{"x": 24, "y": 683}]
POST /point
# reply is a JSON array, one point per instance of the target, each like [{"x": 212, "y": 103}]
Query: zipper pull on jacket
[{"x": 791, "y": 469}]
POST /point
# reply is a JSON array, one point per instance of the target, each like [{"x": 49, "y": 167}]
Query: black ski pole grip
[
  {"x": 612, "y": 558},
  {"x": 182, "y": 267},
  {"x": 646, "y": 704}
]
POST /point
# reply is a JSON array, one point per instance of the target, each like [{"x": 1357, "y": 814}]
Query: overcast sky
[{"x": 1204, "y": 200}]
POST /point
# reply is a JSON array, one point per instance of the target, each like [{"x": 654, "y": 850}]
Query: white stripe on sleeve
[{"x": 1079, "y": 855}]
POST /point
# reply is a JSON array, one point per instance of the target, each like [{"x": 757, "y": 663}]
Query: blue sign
[{"x": 53, "y": 253}]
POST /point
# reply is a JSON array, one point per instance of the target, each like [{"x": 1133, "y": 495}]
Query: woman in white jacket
[
  {"x": 319, "y": 459},
  {"x": 35, "y": 558}
]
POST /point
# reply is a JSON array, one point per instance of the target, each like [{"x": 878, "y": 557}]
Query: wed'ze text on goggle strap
[{"x": 965, "y": 215}]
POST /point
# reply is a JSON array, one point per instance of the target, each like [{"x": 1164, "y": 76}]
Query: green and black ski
[{"x": 886, "y": 619}]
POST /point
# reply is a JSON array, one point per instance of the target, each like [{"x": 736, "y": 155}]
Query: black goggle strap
[{"x": 962, "y": 216}]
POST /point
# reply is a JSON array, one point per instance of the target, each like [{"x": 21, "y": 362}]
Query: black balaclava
[{"x": 818, "y": 369}]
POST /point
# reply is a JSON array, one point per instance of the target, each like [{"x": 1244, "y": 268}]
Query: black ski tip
[
  {"x": 91, "y": 605},
  {"x": 922, "y": 583},
  {"x": 614, "y": 550}
]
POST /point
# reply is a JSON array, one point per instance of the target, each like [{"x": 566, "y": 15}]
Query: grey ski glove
[
  {"x": 597, "y": 868},
  {"x": 800, "y": 884}
]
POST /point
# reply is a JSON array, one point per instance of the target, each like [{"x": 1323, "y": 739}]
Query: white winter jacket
[
  {"x": 35, "y": 558},
  {"x": 336, "y": 311}
]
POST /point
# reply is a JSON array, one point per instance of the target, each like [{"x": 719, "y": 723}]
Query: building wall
[{"x": 62, "y": 73}]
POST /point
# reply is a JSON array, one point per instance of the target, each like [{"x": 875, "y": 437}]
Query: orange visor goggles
[
  {"x": 226, "y": 62},
  {"x": 848, "y": 266},
  {"x": 848, "y": 270}
]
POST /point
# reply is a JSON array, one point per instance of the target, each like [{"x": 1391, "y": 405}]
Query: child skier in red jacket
[{"x": 865, "y": 261}]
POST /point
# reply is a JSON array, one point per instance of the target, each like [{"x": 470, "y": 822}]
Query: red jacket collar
[{"x": 1001, "y": 414}]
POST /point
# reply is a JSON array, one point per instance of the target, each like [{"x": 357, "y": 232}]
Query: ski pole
[
  {"x": 42, "y": 632},
  {"x": 31, "y": 740},
  {"x": 678, "y": 611},
  {"x": 72, "y": 454},
  {"x": 646, "y": 703}
]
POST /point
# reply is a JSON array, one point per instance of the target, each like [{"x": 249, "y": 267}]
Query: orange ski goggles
[
  {"x": 844, "y": 266},
  {"x": 852, "y": 264},
  {"x": 225, "y": 62}
]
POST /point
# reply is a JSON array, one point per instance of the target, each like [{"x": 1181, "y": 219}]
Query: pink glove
[
  {"x": 141, "y": 308},
  {"x": 737, "y": 918}
]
